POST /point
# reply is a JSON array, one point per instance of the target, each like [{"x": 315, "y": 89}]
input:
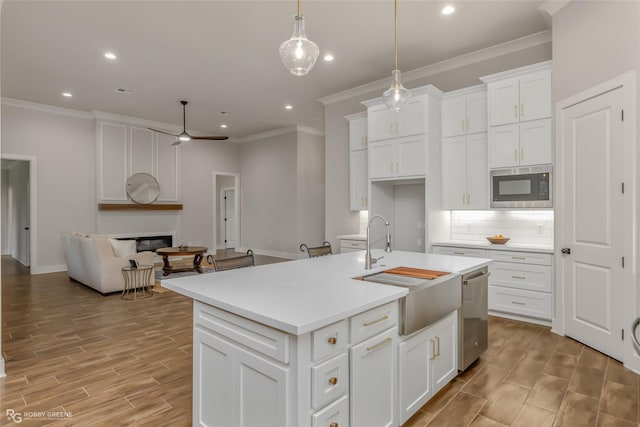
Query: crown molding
[
  {"x": 11, "y": 102},
  {"x": 516, "y": 72},
  {"x": 522, "y": 43},
  {"x": 552, "y": 7},
  {"x": 466, "y": 91},
  {"x": 101, "y": 115},
  {"x": 279, "y": 131},
  {"x": 360, "y": 115}
]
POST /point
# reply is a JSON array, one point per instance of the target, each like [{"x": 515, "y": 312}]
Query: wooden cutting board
[{"x": 417, "y": 272}]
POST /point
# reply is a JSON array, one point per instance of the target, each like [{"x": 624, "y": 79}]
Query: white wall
[
  {"x": 310, "y": 203},
  {"x": 338, "y": 218},
  {"x": 268, "y": 194},
  {"x": 65, "y": 150},
  {"x": 4, "y": 212}
]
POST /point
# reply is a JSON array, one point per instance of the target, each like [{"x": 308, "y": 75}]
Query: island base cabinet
[
  {"x": 373, "y": 381},
  {"x": 234, "y": 387},
  {"x": 427, "y": 361}
]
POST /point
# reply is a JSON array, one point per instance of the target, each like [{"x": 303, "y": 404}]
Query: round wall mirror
[{"x": 143, "y": 188}]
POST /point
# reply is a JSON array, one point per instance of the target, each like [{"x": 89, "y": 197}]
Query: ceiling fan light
[
  {"x": 397, "y": 96},
  {"x": 299, "y": 54},
  {"x": 184, "y": 137}
]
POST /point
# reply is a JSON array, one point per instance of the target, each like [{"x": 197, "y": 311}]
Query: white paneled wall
[{"x": 522, "y": 226}]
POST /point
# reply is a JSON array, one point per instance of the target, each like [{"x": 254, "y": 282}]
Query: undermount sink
[{"x": 404, "y": 277}]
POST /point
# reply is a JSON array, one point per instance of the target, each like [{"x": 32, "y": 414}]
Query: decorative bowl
[{"x": 498, "y": 240}]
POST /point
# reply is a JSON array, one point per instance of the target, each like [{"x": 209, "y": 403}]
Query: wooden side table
[
  {"x": 196, "y": 251},
  {"x": 136, "y": 282}
]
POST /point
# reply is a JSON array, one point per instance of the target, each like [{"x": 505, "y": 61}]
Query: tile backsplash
[{"x": 522, "y": 226}]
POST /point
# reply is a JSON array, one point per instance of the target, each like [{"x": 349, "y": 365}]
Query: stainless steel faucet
[{"x": 368, "y": 259}]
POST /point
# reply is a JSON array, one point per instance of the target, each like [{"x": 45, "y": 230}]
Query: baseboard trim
[
  {"x": 276, "y": 254},
  {"x": 520, "y": 318},
  {"x": 48, "y": 269}
]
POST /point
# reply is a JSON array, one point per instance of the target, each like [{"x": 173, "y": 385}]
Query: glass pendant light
[
  {"x": 397, "y": 96},
  {"x": 299, "y": 54}
]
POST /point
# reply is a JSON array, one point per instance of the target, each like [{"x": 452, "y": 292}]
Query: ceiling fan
[{"x": 184, "y": 136}]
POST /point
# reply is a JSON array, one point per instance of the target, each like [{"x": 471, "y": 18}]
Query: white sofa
[{"x": 91, "y": 260}]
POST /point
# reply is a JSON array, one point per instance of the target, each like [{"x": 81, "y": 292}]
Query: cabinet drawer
[
  {"x": 376, "y": 320},
  {"x": 334, "y": 415},
  {"x": 446, "y": 250},
  {"x": 522, "y": 257},
  {"x": 329, "y": 380},
  {"x": 518, "y": 301},
  {"x": 352, "y": 244},
  {"x": 522, "y": 276},
  {"x": 330, "y": 340},
  {"x": 261, "y": 338}
]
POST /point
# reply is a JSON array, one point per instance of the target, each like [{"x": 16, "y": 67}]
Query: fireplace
[{"x": 150, "y": 243}]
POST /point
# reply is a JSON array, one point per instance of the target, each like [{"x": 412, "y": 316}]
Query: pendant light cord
[
  {"x": 396, "y": 29},
  {"x": 298, "y": 7}
]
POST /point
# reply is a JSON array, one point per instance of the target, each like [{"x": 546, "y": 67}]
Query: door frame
[
  {"x": 627, "y": 82},
  {"x": 216, "y": 207},
  {"x": 33, "y": 206},
  {"x": 222, "y": 210}
]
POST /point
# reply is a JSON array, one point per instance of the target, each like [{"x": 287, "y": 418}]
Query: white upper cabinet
[
  {"x": 465, "y": 113},
  {"x": 358, "y": 162},
  {"x": 522, "y": 144},
  {"x": 386, "y": 124},
  {"x": 357, "y": 132},
  {"x": 519, "y": 95},
  {"x": 398, "y": 158}
]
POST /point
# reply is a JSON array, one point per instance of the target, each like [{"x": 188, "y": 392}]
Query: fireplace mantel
[{"x": 138, "y": 207}]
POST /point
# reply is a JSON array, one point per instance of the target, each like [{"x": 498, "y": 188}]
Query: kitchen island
[{"x": 302, "y": 343}]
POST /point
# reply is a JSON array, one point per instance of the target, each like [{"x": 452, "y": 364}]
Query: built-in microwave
[{"x": 525, "y": 187}]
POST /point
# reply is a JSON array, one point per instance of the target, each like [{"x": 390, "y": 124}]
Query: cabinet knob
[
  {"x": 333, "y": 381},
  {"x": 332, "y": 340},
  {"x": 334, "y": 424}
]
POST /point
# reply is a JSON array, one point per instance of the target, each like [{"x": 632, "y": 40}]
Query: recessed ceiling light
[
  {"x": 67, "y": 94},
  {"x": 288, "y": 107},
  {"x": 328, "y": 57},
  {"x": 448, "y": 10},
  {"x": 110, "y": 55},
  {"x": 223, "y": 126}
]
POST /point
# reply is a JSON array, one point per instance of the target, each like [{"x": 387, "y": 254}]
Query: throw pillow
[{"x": 123, "y": 248}]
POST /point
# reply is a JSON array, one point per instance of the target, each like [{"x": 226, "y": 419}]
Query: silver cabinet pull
[
  {"x": 433, "y": 349},
  {"x": 438, "y": 342},
  {"x": 378, "y": 320},
  {"x": 518, "y": 257},
  {"x": 518, "y": 303},
  {"x": 522, "y": 154},
  {"x": 458, "y": 253},
  {"x": 380, "y": 344},
  {"x": 519, "y": 277}
]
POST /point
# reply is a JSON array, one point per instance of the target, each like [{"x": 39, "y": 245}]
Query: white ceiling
[{"x": 223, "y": 55}]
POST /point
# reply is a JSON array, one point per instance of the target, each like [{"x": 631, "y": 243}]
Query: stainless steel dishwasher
[{"x": 473, "y": 333}]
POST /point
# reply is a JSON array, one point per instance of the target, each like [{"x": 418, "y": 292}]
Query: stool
[{"x": 136, "y": 282}]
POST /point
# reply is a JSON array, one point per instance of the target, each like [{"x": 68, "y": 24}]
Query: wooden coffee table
[{"x": 196, "y": 251}]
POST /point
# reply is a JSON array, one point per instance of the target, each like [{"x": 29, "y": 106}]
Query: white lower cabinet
[
  {"x": 427, "y": 361},
  {"x": 230, "y": 377},
  {"x": 373, "y": 379}
]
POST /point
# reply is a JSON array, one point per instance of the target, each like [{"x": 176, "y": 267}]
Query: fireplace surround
[{"x": 150, "y": 242}]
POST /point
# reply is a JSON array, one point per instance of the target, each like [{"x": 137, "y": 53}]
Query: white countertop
[
  {"x": 520, "y": 247},
  {"x": 303, "y": 295}
]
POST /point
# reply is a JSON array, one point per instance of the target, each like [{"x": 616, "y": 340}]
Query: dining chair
[
  {"x": 325, "y": 249},
  {"x": 241, "y": 261}
]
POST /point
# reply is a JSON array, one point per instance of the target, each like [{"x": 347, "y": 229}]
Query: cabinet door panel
[
  {"x": 535, "y": 96},
  {"x": 445, "y": 363},
  {"x": 261, "y": 392},
  {"x": 477, "y": 171},
  {"x": 454, "y": 116},
  {"x": 504, "y": 147},
  {"x": 535, "y": 142},
  {"x": 372, "y": 370},
  {"x": 213, "y": 380},
  {"x": 414, "y": 374},
  {"x": 358, "y": 134},
  {"x": 476, "y": 113},
  {"x": 412, "y": 118},
  {"x": 381, "y": 123},
  {"x": 504, "y": 102},
  {"x": 381, "y": 159},
  {"x": 411, "y": 156},
  {"x": 454, "y": 172},
  {"x": 358, "y": 179}
]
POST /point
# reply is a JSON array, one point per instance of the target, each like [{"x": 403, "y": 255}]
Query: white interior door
[
  {"x": 230, "y": 218},
  {"x": 593, "y": 228}
]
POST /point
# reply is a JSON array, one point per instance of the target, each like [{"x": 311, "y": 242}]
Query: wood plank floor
[{"x": 112, "y": 362}]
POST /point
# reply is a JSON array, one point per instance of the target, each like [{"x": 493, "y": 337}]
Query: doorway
[
  {"x": 226, "y": 210},
  {"x": 18, "y": 208},
  {"x": 595, "y": 197}
]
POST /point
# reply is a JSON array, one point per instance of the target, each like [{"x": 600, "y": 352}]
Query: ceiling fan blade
[
  {"x": 178, "y": 142},
  {"x": 161, "y": 131},
  {"x": 211, "y": 138}
]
